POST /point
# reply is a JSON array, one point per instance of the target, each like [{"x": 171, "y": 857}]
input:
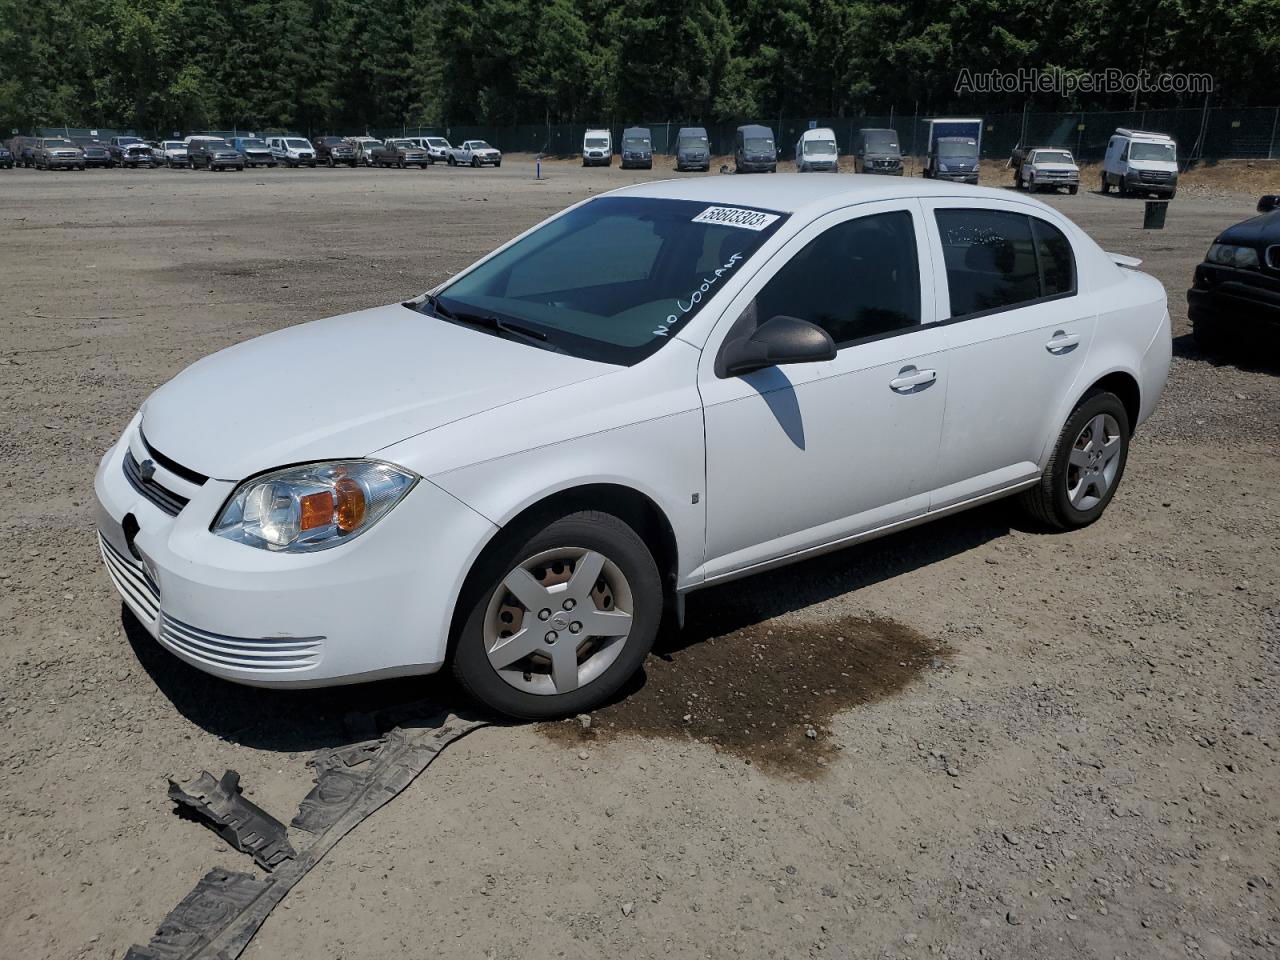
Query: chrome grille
[
  {"x": 132, "y": 582},
  {"x": 241, "y": 653},
  {"x": 168, "y": 501},
  {"x": 1155, "y": 176}
]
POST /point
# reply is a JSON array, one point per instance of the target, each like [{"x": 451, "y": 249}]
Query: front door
[{"x": 804, "y": 455}]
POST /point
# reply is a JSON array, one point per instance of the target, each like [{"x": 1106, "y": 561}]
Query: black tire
[
  {"x": 593, "y": 530},
  {"x": 1048, "y": 502},
  {"x": 1173, "y": 193},
  {"x": 1073, "y": 189},
  {"x": 1106, "y": 184}
]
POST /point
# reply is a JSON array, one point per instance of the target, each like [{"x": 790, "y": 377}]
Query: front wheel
[
  {"x": 1085, "y": 468},
  {"x": 1073, "y": 189},
  {"x": 559, "y": 621}
]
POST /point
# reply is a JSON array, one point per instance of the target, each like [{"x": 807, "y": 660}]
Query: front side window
[
  {"x": 615, "y": 278},
  {"x": 859, "y": 279},
  {"x": 998, "y": 260}
]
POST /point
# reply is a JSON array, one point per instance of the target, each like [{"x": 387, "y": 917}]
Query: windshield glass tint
[
  {"x": 693, "y": 143},
  {"x": 1053, "y": 156},
  {"x": 437, "y": 142},
  {"x": 883, "y": 143},
  {"x": 615, "y": 278},
  {"x": 596, "y": 143},
  {"x": 1150, "y": 151},
  {"x": 252, "y": 143},
  {"x": 759, "y": 145},
  {"x": 961, "y": 150},
  {"x": 820, "y": 147},
  {"x": 58, "y": 143},
  {"x": 297, "y": 144},
  {"x": 635, "y": 143}
]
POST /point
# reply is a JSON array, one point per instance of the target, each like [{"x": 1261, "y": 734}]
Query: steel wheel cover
[{"x": 1094, "y": 461}]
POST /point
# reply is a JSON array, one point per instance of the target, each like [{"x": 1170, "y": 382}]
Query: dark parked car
[
  {"x": 876, "y": 150},
  {"x": 400, "y": 153},
  {"x": 6, "y": 158},
  {"x": 53, "y": 153},
  {"x": 23, "y": 150},
  {"x": 637, "y": 148},
  {"x": 1237, "y": 287},
  {"x": 214, "y": 155},
  {"x": 130, "y": 152},
  {"x": 755, "y": 150},
  {"x": 335, "y": 150},
  {"x": 95, "y": 151},
  {"x": 255, "y": 151}
]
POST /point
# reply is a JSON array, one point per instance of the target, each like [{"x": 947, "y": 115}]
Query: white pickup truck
[
  {"x": 474, "y": 153},
  {"x": 1045, "y": 168}
]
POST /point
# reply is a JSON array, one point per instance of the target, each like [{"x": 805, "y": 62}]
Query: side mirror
[
  {"x": 1268, "y": 202},
  {"x": 780, "y": 340}
]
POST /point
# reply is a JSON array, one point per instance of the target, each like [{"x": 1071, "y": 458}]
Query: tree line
[{"x": 344, "y": 65}]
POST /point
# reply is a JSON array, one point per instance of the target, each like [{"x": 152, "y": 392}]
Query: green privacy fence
[{"x": 1211, "y": 134}]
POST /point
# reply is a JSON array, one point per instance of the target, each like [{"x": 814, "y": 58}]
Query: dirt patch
[{"x": 766, "y": 692}]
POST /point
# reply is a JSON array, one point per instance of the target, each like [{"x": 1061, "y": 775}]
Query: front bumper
[
  {"x": 757, "y": 166},
  {"x": 1136, "y": 184},
  {"x": 600, "y": 161},
  {"x": 1233, "y": 305},
  {"x": 957, "y": 176},
  {"x": 378, "y": 606},
  {"x": 52, "y": 162}
]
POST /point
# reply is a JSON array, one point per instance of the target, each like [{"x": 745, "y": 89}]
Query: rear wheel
[
  {"x": 1085, "y": 468},
  {"x": 557, "y": 622}
]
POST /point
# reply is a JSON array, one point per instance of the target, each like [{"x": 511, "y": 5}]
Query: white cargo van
[
  {"x": 1138, "y": 161},
  {"x": 816, "y": 150},
  {"x": 597, "y": 149}
]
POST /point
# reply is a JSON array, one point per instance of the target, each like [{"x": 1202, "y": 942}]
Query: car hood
[
  {"x": 1056, "y": 165},
  {"x": 342, "y": 387},
  {"x": 1259, "y": 231}
]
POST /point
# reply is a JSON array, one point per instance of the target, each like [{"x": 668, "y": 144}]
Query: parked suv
[
  {"x": 130, "y": 151},
  {"x": 400, "y": 152},
  {"x": 755, "y": 150},
  {"x": 6, "y": 158},
  {"x": 214, "y": 155},
  {"x": 693, "y": 149},
  {"x": 637, "y": 148},
  {"x": 53, "y": 153},
  {"x": 292, "y": 151},
  {"x": 876, "y": 150},
  {"x": 1236, "y": 293},
  {"x": 336, "y": 150},
  {"x": 1044, "y": 168},
  {"x": 96, "y": 153},
  {"x": 255, "y": 151},
  {"x": 1138, "y": 161},
  {"x": 24, "y": 150}
]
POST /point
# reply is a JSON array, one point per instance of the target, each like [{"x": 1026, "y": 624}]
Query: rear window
[{"x": 998, "y": 260}]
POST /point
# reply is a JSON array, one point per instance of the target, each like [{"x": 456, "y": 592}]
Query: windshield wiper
[{"x": 485, "y": 322}]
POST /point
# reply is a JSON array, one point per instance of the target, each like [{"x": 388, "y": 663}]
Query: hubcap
[
  {"x": 558, "y": 620},
  {"x": 1094, "y": 462}
]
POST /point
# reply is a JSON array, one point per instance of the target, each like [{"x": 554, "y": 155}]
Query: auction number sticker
[{"x": 736, "y": 217}]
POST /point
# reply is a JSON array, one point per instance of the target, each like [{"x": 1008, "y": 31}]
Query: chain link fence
[{"x": 1202, "y": 134}]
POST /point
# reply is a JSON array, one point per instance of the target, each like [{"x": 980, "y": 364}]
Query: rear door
[{"x": 1018, "y": 332}]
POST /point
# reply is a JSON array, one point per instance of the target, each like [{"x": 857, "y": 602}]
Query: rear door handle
[
  {"x": 1062, "y": 342},
  {"x": 909, "y": 379}
]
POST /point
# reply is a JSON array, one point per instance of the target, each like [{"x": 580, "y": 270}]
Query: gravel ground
[{"x": 1038, "y": 745}]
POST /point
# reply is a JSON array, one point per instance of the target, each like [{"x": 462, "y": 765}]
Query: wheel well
[
  {"x": 627, "y": 504},
  {"x": 1125, "y": 387}
]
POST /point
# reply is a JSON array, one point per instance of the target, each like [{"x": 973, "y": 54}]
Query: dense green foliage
[{"x": 345, "y": 64}]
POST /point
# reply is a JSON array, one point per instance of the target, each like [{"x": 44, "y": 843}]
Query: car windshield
[
  {"x": 58, "y": 143},
  {"x": 438, "y": 142},
  {"x": 962, "y": 150},
  {"x": 881, "y": 143},
  {"x": 693, "y": 143},
  {"x": 635, "y": 143},
  {"x": 1053, "y": 156},
  {"x": 218, "y": 145},
  {"x": 1151, "y": 151},
  {"x": 820, "y": 147},
  {"x": 297, "y": 144},
  {"x": 128, "y": 141},
  {"x": 86, "y": 142},
  {"x": 401, "y": 143},
  {"x": 173, "y": 145},
  {"x": 480, "y": 145},
  {"x": 613, "y": 279},
  {"x": 252, "y": 143},
  {"x": 759, "y": 145},
  {"x": 596, "y": 143}
]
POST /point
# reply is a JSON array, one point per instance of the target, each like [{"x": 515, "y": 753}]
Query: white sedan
[{"x": 656, "y": 390}]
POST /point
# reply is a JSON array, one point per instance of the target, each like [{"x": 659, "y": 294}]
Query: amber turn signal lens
[
  {"x": 316, "y": 511},
  {"x": 351, "y": 505}
]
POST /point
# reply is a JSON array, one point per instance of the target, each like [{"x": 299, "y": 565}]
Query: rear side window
[
  {"x": 998, "y": 260},
  {"x": 859, "y": 279}
]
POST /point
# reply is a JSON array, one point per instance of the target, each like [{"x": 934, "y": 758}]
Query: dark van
[
  {"x": 877, "y": 151},
  {"x": 755, "y": 150},
  {"x": 637, "y": 148}
]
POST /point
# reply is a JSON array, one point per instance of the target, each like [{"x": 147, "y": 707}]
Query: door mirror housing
[
  {"x": 1268, "y": 202},
  {"x": 779, "y": 340}
]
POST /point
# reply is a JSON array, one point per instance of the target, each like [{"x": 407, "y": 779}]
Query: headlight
[
  {"x": 1230, "y": 256},
  {"x": 314, "y": 506}
]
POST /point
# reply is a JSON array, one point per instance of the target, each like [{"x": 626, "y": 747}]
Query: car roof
[
  {"x": 754, "y": 128},
  {"x": 791, "y": 192}
]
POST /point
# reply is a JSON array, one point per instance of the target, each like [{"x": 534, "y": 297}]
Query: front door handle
[
  {"x": 1062, "y": 342},
  {"x": 909, "y": 380}
]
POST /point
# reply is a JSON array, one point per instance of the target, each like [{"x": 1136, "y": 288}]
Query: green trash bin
[{"x": 1153, "y": 216}]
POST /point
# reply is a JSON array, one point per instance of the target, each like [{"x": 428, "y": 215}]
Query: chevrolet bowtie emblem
[{"x": 147, "y": 469}]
